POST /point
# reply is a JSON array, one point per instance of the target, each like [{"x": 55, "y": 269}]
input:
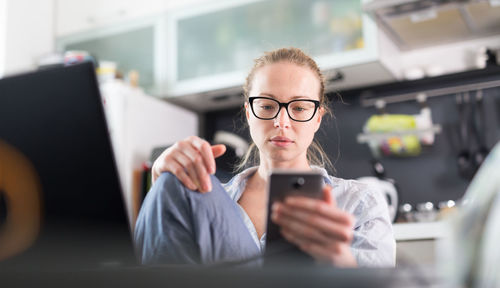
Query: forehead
[{"x": 285, "y": 81}]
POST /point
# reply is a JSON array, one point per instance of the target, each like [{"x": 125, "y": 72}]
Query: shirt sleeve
[{"x": 373, "y": 243}]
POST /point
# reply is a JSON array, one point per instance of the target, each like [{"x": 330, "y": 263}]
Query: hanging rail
[{"x": 430, "y": 93}]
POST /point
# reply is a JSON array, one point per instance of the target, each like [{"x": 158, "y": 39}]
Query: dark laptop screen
[{"x": 52, "y": 122}]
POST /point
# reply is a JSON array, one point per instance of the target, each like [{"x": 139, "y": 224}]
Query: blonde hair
[{"x": 315, "y": 153}]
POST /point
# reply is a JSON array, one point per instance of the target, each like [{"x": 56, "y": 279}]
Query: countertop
[{"x": 420, "y": 230}]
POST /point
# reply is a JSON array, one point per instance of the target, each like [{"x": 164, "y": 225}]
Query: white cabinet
[
  {"x": 132, "y": 46},
  {"x": 418, "y": 243},
  {"x": 76, "y": 16},
  {"x": 203, "y": 49},
  {"x": 210, "y": 47}
]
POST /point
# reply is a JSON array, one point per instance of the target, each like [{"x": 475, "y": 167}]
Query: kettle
[{"x": 385, "y": 186}]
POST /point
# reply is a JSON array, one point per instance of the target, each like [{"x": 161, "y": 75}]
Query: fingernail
[{"x": 207, "y": 187}]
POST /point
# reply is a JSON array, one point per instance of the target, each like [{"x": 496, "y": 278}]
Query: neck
[{"x": 266, "y": 167}]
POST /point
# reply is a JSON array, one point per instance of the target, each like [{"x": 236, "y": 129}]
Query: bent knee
[{"x": 168, "y": 182}]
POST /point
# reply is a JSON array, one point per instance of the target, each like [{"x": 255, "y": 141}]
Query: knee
[
  {"x": 167, "y": 179},
  {"x": 169, "y": 186}
]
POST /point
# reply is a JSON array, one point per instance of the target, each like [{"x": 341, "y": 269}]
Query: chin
[{"x": 282, "y": 156}]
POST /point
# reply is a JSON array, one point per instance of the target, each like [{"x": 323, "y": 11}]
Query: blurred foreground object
[
  {"x": 21, "y": 185},
  {"x": 471, "y": 257}
]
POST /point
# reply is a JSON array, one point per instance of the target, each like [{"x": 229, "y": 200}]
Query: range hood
[{"x": 421, "y": 23}]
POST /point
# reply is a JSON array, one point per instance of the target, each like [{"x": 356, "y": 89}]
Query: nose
[{"x": 282, "y": 120}]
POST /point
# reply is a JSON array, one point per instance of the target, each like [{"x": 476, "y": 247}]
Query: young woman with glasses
[{"x": 190, "y": 217}]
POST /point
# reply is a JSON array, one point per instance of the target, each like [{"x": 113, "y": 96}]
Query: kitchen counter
[
  {"x": 417, "y": 242},
  {"x": 420, "y": 230}
]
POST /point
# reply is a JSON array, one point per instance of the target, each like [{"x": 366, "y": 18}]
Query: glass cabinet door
[
  {"x": 131, "y": 46},
  {"x": 213, "y": 46}
]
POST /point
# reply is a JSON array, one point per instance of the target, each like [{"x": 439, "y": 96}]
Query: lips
[{"x": 281, "y": 141}]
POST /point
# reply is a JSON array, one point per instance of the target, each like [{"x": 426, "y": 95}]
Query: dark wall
[{"x": 431, "y": 176}]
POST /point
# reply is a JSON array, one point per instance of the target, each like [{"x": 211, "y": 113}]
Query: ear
[
  {"x": 246, "y": 110},
  {"x": 321, "y": 112}
]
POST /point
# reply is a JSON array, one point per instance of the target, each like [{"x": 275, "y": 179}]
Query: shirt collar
[{"x": 236, "y": 185}]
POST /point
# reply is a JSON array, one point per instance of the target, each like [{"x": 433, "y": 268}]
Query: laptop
[{"x": 62, "y": 205}]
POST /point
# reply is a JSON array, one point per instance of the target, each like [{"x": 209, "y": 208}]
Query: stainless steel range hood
[{"x": 421, "y": 23}]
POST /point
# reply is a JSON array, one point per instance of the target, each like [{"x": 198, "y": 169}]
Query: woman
[{"x": 189, "y": 217}]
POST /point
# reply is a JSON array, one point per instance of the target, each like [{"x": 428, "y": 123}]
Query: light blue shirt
[{"x": 373, "y": 244}]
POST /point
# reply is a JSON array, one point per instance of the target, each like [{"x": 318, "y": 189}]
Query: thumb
[{"x": 218, "y": 150}]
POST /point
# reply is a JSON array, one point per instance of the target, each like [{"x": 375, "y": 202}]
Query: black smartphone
[{"x": 283, "y": 184}]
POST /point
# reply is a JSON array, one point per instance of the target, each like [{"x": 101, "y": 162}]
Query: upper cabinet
[
  {"x": 210, "y": 48},
  {"x": 131, "y": 46},
  {"x": 74, "y": 16},
  {"x": 217, "y": 43},
  {"x": 206, "y": 50}
]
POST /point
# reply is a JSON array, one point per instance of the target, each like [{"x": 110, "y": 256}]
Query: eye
[
  {"x": 266, "y": 107},
  {"x": 299, "y": 108}
]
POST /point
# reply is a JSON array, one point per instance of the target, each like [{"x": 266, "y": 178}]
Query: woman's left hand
[{"x": 317, "y": 227}]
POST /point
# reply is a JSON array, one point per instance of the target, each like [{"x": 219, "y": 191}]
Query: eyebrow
[{"x": 293, "y": 97}]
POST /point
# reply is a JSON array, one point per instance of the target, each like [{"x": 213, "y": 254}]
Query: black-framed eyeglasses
[{"x": 301, "y": 110}]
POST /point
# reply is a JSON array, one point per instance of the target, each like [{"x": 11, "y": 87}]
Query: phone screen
[{"x": 281, "y": 185}]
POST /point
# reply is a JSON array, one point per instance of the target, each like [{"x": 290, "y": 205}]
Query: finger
[
  {"x": 205, "y": 150},
  {"x": 316, "y": 250},
  {"x": 328, "y": 195},
  {"x": 292, "y": 238},
  {"x": 301, "y": 230},
  {"x": 202, "y": 174},
  {"x": 320, "y": 207},
  {"x": 189, "y": 167},
  {"x": 218, "y": 150},
  {"x": 319, "y": 223},
  {"x": 319, "y": 252},
  {"x": 338, "y": 254},
  {"x": 196, "y": 159},
  {"x": 181, "y": 174},
  {"x": 331, "y": 253},
  {"x": 155, "y": 171},
  {"x": 160, "y": 165}
]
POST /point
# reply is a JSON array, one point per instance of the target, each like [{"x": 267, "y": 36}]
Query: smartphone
[{"x": 283, "y": 184}]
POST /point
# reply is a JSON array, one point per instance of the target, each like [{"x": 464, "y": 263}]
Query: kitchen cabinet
[
  {"x": 210, "y": 47},
  {"x": 418, "y": 243},
  {"x": 132, "y": 46},
  {"x": 204, "y": 51},
  {"x": 75, "y": 16}
]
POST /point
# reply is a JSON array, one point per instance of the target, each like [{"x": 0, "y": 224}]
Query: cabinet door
[
  {"x": 131, "y": 46},
  {"x": 212, "y": 46},
  {"x": 75, "y": 16}
]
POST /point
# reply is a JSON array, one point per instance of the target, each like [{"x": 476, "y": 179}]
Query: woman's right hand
[{"x": 191, "y": 160}]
